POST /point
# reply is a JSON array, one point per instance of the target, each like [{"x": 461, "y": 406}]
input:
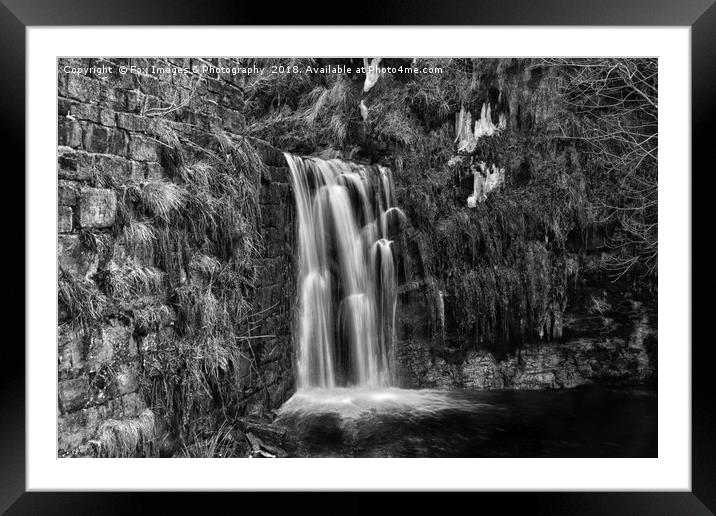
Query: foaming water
[
  {"x": 346, "y": 278},
  {"x": 356, "y": 403}
]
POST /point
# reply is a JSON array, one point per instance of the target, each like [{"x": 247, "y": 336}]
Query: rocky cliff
[{"x": 601, "y": 345}]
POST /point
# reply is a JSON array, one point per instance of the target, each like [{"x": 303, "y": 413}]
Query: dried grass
[
  {"x": 126, "y": 437},
  {"x": 84, "y": 303}
]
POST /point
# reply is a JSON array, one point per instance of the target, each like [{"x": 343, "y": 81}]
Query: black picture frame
[{"x": 17, "y": 15}]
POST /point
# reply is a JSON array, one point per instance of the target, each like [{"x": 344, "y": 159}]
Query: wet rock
[
  {"x": 260, "y": 449},
  {"x": 269, "y": 433}
]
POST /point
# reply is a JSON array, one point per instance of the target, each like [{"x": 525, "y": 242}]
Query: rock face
[
  {"x": 594, "y": 350},
  {"x": 546, "y": 366}
]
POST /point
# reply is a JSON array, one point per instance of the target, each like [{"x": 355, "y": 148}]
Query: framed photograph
[{"x": 388, "y": 257}]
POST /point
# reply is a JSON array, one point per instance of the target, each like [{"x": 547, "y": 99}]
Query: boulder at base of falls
[
  {"x": 260, "y": 449},
  {"x": 265, "y": 439}
]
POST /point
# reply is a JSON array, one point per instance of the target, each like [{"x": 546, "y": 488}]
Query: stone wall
[
  {"x": 107, "y": 128},
  {"x": 275, "y": 294}
]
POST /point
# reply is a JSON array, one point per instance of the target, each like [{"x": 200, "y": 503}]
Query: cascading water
[{"x": 346, "y": 273}]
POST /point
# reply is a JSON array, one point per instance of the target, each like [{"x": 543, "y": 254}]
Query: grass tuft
[
  {"x": 132, "y": 279},
  {"x": 82, "y": 300},
  {"x": 126, "y": 437},
  {"x": 139, "y": 238},
  {"x": 219, "y": 445},
  {"x": 162, "y": 199}
]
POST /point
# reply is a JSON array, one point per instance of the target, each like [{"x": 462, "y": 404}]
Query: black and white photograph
[{"x": 357, "y": 257}]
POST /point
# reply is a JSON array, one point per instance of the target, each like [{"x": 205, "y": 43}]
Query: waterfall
[{"x": 344, "y": 329}]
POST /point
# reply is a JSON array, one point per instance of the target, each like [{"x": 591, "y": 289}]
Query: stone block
[
  {"x": 149, "y": 85},
  {"x": 73, "y": 394},
  {"x": 71, "y": 352},
  {"x": 64, "y": 219},
  {"x": 91, "y": 113},
  {"x": 274, "y": 174},
  {"x": 76, "y": 429},
  {"x": 231, "y": 98},
  {"x": 143, "y": 149},
  {"x": 273, "y": 241},
  {"x": 113, "y": 341},
  {"x": 119, "y": 169},
  {"x": 72, "y": 259},
  {"x": 182, "y": 62},
  {"x": 61, "y": 83},
  {"x": 153, "y": 171},
  {"x": 203, "y": 122},
  {"x": 118, "y": 142},
  {"x": 275, "y": 216},
  {"x": 97, "y": 207},
  {"x": 64, "y": 106},
  {"x": 74, "y": 165},
  {"x": 83, "y": 88},
  {"x": 95, "y": 138},
  {"x": 127, "y": 379},
  {"x": 67, "y": 193},
  {"x": 101, "y": 351},
  {"x": 128, "y": 101},
  {"x": 232, "y": 121},
  {"x": 186, "y": 116},
  {"x": 270, "y": 155},
  {"x": 69, "y": 132},
  {"x": 135, "y": 123},
  {"x": 276, "y": 193}
]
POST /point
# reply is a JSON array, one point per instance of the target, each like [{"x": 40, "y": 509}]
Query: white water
[
  {"x": 355, "y": 403},
  {"x": 346, "y": 274}
]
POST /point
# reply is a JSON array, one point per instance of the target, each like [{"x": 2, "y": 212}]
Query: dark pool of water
[{"x": 592, "y": 422}]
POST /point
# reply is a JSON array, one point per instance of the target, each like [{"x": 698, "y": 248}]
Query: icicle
[
  {"x": 363, "y": 111},
  {"x": 484, "y": 126},
  {"x": 371, "y": 73},
  {"x": 485, "y": 180},
  {"x": 466, "y": 137},
  {"x": 477, "y": 186},
  {"x": 495, "y": 177}
]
